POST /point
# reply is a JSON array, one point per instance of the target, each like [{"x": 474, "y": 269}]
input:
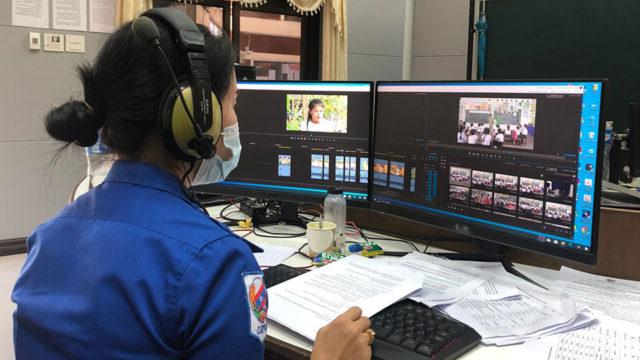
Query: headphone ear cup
[
  {"x": 169, "y": 101},
  {"x": 177, "y": 128}
]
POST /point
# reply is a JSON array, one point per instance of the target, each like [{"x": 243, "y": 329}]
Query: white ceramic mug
[{"x": 320, "y": 238}]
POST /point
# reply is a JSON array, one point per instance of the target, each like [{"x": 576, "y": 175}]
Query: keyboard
[
  {"x": 406, "y": 330},
  {"x": 274, "y": 275}
]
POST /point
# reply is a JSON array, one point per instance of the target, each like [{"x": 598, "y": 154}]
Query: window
[
  {"x": 273, "y": 38},
  {"x": 271, "y": 43}
]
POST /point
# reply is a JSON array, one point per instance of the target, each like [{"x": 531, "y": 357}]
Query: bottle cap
[{"x": 335, "y": 191}]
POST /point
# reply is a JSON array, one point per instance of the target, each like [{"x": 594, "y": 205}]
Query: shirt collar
[{"x": 145, "y": 174}]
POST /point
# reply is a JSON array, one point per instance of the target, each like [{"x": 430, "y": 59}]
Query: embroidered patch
[{"x": 258, "y": 302}]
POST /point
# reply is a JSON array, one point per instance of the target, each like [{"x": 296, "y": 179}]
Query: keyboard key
[
  {"x": 396, "y": 338},
  {"x": 410, "y": 343},
  {"x": 425, "y": 349},
  {"x": 381, "y": 332}
]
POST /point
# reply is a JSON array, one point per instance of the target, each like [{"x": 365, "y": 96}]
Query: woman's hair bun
[{"x": 73, "y": 122}]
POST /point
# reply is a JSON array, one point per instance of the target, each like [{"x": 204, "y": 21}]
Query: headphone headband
[{"x": 205, "y": 107}]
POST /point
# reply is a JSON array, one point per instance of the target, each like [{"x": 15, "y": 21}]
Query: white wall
[
  {"x": 439, "y": 39},
  {"x": 32, "y": 189},
  {"x": 440, "y": 33},
  {"x": 376, "y": 32}
]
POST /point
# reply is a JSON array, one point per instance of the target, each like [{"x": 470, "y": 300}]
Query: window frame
[{"x": 310, "y": 26}]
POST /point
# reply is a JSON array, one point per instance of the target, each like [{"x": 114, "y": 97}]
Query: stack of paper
[
  {"x": 608, "y": 339},
  {"x": 310, "y": 301},
  {"x": 532, "y": 314},
  {"x": 617, "y": 298},
  {"x": 445, "y": 281}
]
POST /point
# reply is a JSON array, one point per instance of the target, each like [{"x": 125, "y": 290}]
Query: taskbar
[{"x": 532, "y": 235}]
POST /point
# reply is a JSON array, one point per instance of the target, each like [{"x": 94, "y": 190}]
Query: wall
[
  {"x": 32, "y": 187},
  {"x": 376, "y": 32},
  {"x": 440, "y": 32}
]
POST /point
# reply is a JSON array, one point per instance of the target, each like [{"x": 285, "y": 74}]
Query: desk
[{"x": 282, "y": 343}]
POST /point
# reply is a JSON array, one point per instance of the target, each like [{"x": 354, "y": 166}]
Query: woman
[
  {"x": 134, "y": 269},
  {"x": 315, "y": 118}
]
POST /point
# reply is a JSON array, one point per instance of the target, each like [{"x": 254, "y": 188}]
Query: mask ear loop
[{"x": 185, "y": 178}]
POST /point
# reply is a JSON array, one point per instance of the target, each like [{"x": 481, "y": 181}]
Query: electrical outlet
[{"x": 34, "y": 41}]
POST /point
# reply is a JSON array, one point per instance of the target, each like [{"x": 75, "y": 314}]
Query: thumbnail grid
[{"x": 530, "y": 199}]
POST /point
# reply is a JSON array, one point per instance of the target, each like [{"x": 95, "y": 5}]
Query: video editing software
[
  {"x": 300, "y": 138},
  {"x": 518, "y": 158}
]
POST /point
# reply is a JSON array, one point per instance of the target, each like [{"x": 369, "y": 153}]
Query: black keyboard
[
  {"x": 408, "y": 330},
  {"x": 280, "y": 273}
]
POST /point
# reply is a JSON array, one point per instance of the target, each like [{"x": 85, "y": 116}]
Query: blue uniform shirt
[{"x": 134, "y": 270}]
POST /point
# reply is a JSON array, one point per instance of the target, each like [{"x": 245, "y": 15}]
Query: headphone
[{"x": 190, "y": 132}]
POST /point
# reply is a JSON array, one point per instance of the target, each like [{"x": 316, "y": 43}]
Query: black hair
[
  {"x": 124, "y": 86},
  {"x": 313, "y": 103},
  {"x": 486, "y": 130}
]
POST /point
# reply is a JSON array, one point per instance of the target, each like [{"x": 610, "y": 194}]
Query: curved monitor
[
  {"x": 515, "y": 163},
  {"x": 301, "y": 138}
]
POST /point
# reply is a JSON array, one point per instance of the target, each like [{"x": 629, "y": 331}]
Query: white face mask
[{"x": 215, "y": 169}]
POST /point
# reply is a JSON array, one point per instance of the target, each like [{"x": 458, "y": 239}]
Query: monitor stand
[
  {"x": 489, "y": 252},
  {"x": 267, "y": 212}
]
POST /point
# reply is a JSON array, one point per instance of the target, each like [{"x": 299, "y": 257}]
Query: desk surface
[{"x": 290, "y": 344}]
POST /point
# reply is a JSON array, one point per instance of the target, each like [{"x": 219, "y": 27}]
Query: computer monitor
[
  {"x": 301, "y": 138},
  {"x": 514, "y": 163}
]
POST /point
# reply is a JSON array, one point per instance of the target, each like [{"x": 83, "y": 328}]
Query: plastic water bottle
[
  {"x": 99, "y": 161},
  {"x": 335, "y": 211}
]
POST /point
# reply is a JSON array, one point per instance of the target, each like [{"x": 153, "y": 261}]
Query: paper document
[
  {"x": 617, "y": 298},
  {"x": 608, "y": 339},
  {"x": 310, "y": 301},
  {"x": 273, "y": 254},
  {"x": 494, "y": 290},
  {"x": 534, "y": 314},
  {"x": 445, "y": 281},
  {"x": 70, "y": 15},
  {"x": 102, "y": 15},
  {"x": 31, "y": 13}
]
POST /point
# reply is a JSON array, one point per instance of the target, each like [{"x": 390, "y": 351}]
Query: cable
[
  {"x": 275, "y": 235},
  {"x": 369, "y": 238}
]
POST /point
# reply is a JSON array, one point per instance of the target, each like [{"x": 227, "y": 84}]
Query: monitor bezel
[
  {"x": 289, "y": 196},
  {"x": 484, "y": 232}
]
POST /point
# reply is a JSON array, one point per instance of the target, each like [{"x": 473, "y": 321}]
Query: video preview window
[
  {"x": 317, "y": 113},
  {"x": 497, "y": 122}
]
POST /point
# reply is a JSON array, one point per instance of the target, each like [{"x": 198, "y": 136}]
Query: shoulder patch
[{"x": 257, "y": 302}]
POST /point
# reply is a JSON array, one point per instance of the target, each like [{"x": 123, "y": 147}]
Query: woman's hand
[{"x": 344, "y": 338}]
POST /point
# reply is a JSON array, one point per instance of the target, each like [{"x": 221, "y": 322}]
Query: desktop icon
[
  {"x": 589, "y": 167},
  {"x": 585, "y": 230},
  {"x": 595, "y": 87},
  {"x": 586, "y": 214},
  {"x": 587, "y": 198},
  {"x": 588, "y": 182},
  {"x": 592, "y": 135}
]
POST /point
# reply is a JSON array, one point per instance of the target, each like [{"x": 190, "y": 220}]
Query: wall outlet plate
[
  {"x": 74, "y": 43},
  {"x": 54, "y": 42},
  {"x": 34, "y": 41}
]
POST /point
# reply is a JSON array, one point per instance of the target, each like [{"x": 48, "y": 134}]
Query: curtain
[
  {"x": 128, "y": 10},
  {"x": 301, "y": 6},
  {"x": 334, "y": 40}
]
